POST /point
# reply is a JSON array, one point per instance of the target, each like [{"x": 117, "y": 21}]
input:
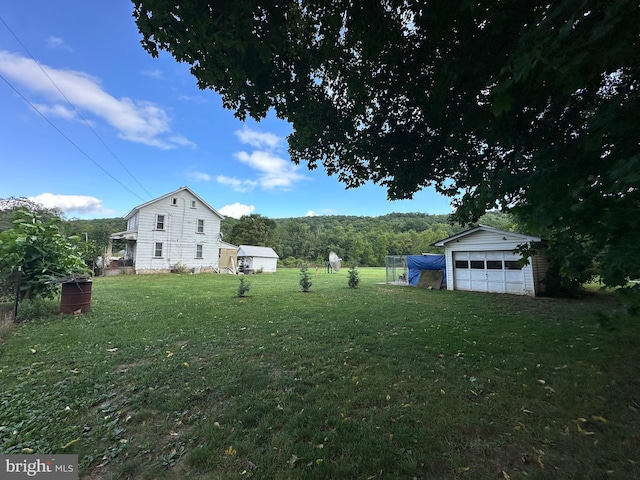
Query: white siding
[
  {"x": 132, "y": 224},
  {"x": 488, "y": 245},
  {"x": 540, "y": 266},
  {"x": 179, "y": 236},
  {"x": 263, "y": 264},
  {"x": 482, "y": 240}
]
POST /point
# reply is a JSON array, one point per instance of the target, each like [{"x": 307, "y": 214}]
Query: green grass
[{"x": 176, "y": 377}]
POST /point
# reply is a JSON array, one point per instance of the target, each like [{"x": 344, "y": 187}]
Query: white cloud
[
  {"x": 135, "y": 120},
  {"x": 274, "y": 172},
  {"x": 156, "y": 74},
  {"x": 57, "y": 42},
  {"x": 236, "y": 184},
  {"x": 260, "y": 140},
  {"x": 237, "y": 210},
  {"x": 191, "y": 98},
  {"x": 199, "y": 176},
  {"x": 61, "y": 111},
  {"x": 71, "y": 203},
  {"x": 310, "y": 213}
]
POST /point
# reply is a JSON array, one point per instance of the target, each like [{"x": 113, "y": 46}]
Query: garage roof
[{"x": 484, "y": 228}]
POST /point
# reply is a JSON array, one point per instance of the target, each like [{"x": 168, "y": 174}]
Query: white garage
[{"x": 485, "y": 259}]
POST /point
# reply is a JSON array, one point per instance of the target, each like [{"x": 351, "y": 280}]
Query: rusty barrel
[{"x": 76, "y": 297}]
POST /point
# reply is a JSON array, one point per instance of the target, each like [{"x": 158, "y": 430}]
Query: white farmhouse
[
  {"x": 177, "y": 230},
  {"x": 485, "y": 259}
]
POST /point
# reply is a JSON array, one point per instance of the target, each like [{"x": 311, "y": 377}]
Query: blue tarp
[{"x": 417, "y": 263}]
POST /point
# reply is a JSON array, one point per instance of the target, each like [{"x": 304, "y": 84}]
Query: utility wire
[
  {"x": 68, "y": 139},
  {"x": 76, "y": 110}
]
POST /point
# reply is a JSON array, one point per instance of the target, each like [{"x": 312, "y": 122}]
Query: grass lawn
[{"x": 175, "y": 377}]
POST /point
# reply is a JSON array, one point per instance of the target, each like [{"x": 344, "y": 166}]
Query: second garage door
[{"x": 497, "y": 272}]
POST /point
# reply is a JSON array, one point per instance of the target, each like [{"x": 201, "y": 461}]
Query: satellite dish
[{"x": 334, "y": 261}]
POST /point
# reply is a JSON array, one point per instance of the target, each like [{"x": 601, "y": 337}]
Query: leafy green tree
[
  {"x": 43, "y": 254},
  {"x": 527, "y": 107},
  {"x": 95, "y": 233},
  {"x": 254, "y": 229},
  {"x": 9, "y": 206}
]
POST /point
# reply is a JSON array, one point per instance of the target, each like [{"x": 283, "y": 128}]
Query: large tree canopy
[{"x": 530, "y": 107}]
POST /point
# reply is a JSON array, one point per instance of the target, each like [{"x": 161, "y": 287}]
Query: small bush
[
  {"x": 35, "y": 308},
  {"x": 244, "y": 287},
  {"x": 305, "y": 279},
  {"x": 354, "y": 279},
  {"x": 179, "y": 268},
  {"x": 7, "y": 288}
]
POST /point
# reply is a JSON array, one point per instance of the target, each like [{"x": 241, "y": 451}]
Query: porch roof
[{"x": 126, "y": 235}]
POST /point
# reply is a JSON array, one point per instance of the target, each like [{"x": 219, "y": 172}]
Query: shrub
[
  {"x": 354, "y": 279},
  {"x": 244, "y": 287},
  {"x": 35, "y": 308},
  {"x": 305, "y": 279},
  {"x": 45, "y": 256},
  {"x": 179, "y": 268}
]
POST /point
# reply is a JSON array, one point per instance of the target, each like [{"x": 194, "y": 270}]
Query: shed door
[{"x": 497, "y": 272}]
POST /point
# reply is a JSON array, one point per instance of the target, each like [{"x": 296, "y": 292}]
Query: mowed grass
[{"x": 175, "y": 377}]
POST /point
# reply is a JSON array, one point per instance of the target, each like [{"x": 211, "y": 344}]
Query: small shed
[
  {"x": 253, "y": 259},
  {"x": 485, "y": 259}
]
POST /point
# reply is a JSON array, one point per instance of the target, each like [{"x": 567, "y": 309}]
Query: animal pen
[
  {"x": 427, "y": 270},
  {"x": 397, "y": 270}
]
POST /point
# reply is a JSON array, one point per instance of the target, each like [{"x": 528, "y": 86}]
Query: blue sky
[{"x": 113, "y": 127}]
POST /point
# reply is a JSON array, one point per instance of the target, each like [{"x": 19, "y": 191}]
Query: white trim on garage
[
  {"x": 487, "y": 271},
  {"x": 491, "y": 258}
]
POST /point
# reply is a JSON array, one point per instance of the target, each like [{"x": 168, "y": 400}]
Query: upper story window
[
  {"x": 159, "y": 222},
  {"x": 200, "y": 228},
  {"x": 193, "y": 204},
  {"x": 132, "y": 223},
  {"x": 174, "y": 201}
]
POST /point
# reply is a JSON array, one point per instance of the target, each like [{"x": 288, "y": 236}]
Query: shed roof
[
  {"x": 255, "y": 251},
  {"x": 484, "y": 228}
]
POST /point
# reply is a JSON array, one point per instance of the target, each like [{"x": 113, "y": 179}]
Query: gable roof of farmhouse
[{"x": 134, "y": 210}]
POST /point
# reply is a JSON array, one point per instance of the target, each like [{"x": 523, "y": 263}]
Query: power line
[
  {"x": 76, "y": 110},
  {"x": 68, "y": 139}
]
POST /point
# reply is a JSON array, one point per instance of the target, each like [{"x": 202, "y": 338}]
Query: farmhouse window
[
  {"x": 174, "y": 201},
  {"x": 512, "y": 265},
  {"x": 462, "y": 263},
  {"x": 200, "y": 226},
  {"x": 193, "y": 204},
  {"x": 159, "y": 222},
  {"x": 494, "y": 264},
  {"x": 157, "y": 251},
  {"x": 199, "y": 250},
  {"x": 477, "y": 264}
]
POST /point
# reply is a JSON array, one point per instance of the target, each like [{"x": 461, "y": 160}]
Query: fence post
[{"x": 15, "y": 307}]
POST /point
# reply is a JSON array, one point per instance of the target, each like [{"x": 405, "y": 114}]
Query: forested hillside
[{"x": 364, "y": 241}]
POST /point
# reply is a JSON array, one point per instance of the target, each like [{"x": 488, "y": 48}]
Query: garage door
[{"x": 497, "y": 272}]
